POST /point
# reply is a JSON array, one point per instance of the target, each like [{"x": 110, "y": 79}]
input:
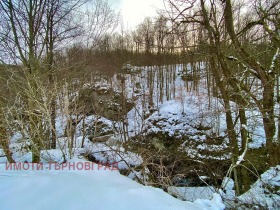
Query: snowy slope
[
  {"x": 85, "y": 189},
  {"x": 265, "y": 191}
]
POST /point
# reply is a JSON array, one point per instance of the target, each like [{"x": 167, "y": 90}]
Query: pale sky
[{"x": 134, "y": 11}]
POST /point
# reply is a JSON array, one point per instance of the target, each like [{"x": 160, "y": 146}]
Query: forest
[{"x": 188, "y": 101}]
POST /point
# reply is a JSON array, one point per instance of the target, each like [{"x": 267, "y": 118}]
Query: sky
[{"x": 134, "y": 11}]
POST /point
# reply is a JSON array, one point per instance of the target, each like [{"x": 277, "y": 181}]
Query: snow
[
  {"x": 192, "y": 193},
  {"x": 194, "y": 119},
  {"x": 114, "y": 154},
  {"x": 193, "y": 104},
  {"x": 265, "y": 191},
  {"x": 192, "y": 114},
  {"x": 227, "y": 191},
  {"x": 16, "y": 137},
  {"x": 86, "y": 189},
  {"x": 215, "y": 203},
  {"x": 193, "y": 109}
]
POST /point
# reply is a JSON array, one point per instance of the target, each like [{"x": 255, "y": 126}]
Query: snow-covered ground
[
  {"x": 192, "y": 193},
  {"x": 183, "y": 111},
  {"x": 99, "y": 188},
  {"x": 265, "y": 191},
  {"x": 191, "y": 114}
]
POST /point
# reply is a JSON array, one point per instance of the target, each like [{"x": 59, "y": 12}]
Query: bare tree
[
  {"x": 161, "y": 31},
  {"x": 226, "y": 29},
  {"x": 265, "y": 73},
  {"x": 146, "y": 31},
  {"x": 99, "y": 19},
  {"x": 33, "y": 31}
]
